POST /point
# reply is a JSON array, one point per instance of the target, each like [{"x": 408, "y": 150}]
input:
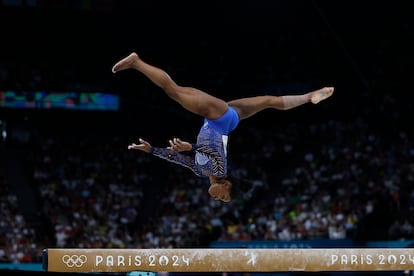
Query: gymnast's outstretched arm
[{"x": 170, "y": 154}]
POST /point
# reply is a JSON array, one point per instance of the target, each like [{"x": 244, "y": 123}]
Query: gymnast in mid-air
[{"x": 208, "y": 156}]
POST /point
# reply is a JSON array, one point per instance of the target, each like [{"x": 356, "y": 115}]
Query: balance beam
[{"x": 227, "y": 260}]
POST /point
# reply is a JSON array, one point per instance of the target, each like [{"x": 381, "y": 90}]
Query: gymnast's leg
[
  {"x": 247, "y": 107},
  {"x": 190, "y": 98}
]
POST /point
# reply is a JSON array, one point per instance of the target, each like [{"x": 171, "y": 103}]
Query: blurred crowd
[{"x": 331, "y": 179}]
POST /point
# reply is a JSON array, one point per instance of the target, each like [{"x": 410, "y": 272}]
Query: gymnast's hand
[
  {"x": 142, "y": 146},
  {"x": 178, "y": 145}
]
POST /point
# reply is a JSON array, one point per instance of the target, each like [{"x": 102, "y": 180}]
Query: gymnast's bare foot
[
  {"x": 126, "y": 63},
  {"x": 321, "y": 94}
]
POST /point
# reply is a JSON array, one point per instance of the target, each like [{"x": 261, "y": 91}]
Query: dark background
[{"x": 228, "y": 48}]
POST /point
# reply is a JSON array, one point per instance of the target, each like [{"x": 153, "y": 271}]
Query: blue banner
[{"x": 323, "y": 243}]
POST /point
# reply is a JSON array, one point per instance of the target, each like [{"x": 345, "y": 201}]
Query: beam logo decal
[
  {"x": 253, "y": 257},
  {"x": 74, "y": 260}
]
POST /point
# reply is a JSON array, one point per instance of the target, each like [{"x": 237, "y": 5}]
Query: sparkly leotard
[{"x": 209, "y": 155}]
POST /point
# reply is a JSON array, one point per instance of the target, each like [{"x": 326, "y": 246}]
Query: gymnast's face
[{"x": 220, "y": 189}]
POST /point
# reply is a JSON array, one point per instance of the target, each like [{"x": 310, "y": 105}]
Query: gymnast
[{"x": 208, "y": 156}]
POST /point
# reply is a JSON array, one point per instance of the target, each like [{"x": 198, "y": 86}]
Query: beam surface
[{"x": 227, "y": 260}]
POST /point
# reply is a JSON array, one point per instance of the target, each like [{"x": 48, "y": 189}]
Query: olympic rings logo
[{"x": 74, "y": 260}]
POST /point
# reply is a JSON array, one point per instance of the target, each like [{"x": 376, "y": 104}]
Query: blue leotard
[{"x": 210, "y": 152}]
